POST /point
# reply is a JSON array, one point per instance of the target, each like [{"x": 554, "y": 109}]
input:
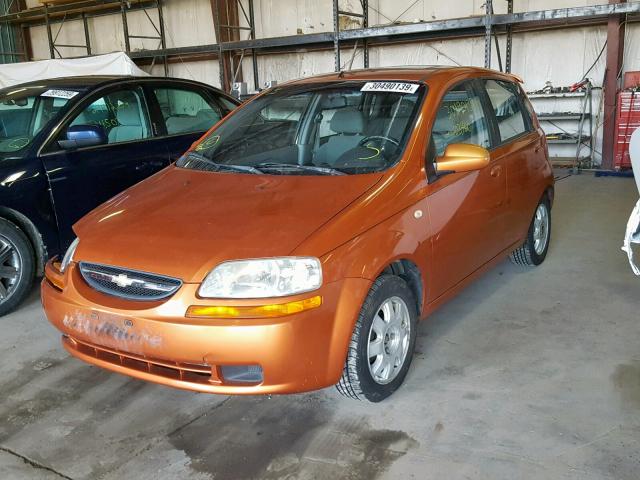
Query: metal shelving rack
[
  {"x": 584, "y": 118},
  {"x": 490, "y": 26},
  {"x": 364, "y": 16}
]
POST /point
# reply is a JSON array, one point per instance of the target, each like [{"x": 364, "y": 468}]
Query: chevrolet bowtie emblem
[{"x": 122, "y": 280}]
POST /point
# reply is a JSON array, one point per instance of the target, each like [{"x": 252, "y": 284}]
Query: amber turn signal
[
  {"x": 258, "y": 311},
  {"x": 53, "y": 275}
]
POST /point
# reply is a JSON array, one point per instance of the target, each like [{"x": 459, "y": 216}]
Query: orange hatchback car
[{"x": 297, "y": 244}]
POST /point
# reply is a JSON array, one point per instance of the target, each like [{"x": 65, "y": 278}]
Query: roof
[
  {"x": 407, "y": 73},
  {"x": 89, "y": 82}
]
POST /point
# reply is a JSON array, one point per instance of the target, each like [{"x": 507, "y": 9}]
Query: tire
[
  {"x": 358, "y": 380},
  {"x": 534, "y": 250},
  {"x": 17, "y": 266}
]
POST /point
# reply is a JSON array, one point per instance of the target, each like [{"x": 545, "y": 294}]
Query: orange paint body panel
[{"x": 183, "y": 223}]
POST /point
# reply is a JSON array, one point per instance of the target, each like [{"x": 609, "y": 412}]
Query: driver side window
[
  {"x": 121, "y": 114},
  {"x": 460, "y": 119}
]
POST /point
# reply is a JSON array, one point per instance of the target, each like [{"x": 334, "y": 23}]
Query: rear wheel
[
  {"x": 382, "y": 343},
  {"x": 534, "y": 250},
  {"x": 17, "y": 266}
]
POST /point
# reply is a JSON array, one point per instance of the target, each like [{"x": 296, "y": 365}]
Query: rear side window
[
  {"x": 460, "y": 119},
  {"x": 186, "y": 111},
  {"x": 507, "y": 107}
]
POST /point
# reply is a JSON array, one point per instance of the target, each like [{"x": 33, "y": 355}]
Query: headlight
[
  {"x": 262, "y": 278},
  {"x": 68, "y": 257}
]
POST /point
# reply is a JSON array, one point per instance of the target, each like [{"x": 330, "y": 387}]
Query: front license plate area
[{"x": 111, "y": 330}]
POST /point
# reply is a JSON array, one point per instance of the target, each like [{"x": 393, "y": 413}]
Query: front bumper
[{"x": 154, "y": 341}]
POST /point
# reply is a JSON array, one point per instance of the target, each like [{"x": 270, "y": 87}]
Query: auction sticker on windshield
[
  {"x": 59, "y": 94},
  {"x": 398, "y": 87}
]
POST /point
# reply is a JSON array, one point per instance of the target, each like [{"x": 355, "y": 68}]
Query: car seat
[
  {"x": 130, "y": 119},
  {"x": 348, "y": 123}
]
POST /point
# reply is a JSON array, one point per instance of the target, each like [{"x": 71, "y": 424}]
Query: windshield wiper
[
  {"x": 295, "y": 167},
  {"x": 219, "y": 167}
]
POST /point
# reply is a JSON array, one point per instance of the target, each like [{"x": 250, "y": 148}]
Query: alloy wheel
[
  {"x": 10, "y": 264},
  {"x": 388, "y": 341},
  {"x": 541, "y": 228}
]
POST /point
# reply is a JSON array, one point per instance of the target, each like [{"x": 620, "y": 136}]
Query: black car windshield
[
  {"x": 24, "y": 112},
  {"x": 314, "y": 129}
]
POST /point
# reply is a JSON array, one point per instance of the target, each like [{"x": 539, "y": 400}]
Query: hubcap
[
  {"x": 9, "y": 268},
  {"x": 389, "y": 340},
  {"x": 540, "y": 229}
]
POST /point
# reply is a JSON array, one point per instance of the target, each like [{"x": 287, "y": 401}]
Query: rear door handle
[{"x": 496, "y": 171}]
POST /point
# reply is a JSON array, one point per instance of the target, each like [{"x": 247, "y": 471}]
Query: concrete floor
[{"x": 527, "y": 374}]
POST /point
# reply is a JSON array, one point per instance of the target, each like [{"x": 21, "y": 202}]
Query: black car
[{"x": 67, "y": 145}]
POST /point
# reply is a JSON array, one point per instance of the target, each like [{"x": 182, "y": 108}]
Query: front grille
[{"x": 129, "y": 284}]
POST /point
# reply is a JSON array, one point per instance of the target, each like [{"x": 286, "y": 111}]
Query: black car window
[
  {"x": 122, "y": 114},
  {"x": 507, "y": 108},
  {"x": 24, "y": 112},
  {"x": 460, "y": 119},
  {"x": 186, "y": 111}
]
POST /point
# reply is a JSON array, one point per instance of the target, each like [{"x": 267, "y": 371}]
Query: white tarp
[
  {"x": 632, "y": 234},
  {"x": 110, "y": 64}
]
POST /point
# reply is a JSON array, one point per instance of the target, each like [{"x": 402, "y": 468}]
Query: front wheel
[
  {"x": 17, "y": 266},
  {"x": 534, "y": 250},
  {"x": 382, "y": 343}
]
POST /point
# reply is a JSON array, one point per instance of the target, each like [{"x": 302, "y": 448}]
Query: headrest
[
  {"x": 206, "y": 114},
  {"x": 334, "y": 101},
  {"x": 128, "y": 113},
  {"x": 347, "y": 120}
]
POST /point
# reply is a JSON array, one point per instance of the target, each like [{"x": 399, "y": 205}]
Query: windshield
[
  {"x": 25, "y": 111},
  {"x": 314, "y": 129}
]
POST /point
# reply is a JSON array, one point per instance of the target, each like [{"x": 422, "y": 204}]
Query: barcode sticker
[
  {"x": 59, "y": 94},
  {"x": 398, "y": 87}
]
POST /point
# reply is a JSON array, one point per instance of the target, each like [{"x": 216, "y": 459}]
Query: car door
[
  {"x": 519, "y": 146},
  {"x": 466, "y": 209},
  {"x": 185, "y": 113},
  {"x": 84, "y": 177}
]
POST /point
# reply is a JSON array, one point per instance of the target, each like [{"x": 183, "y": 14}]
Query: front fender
[{"x": 404, "y": 236}]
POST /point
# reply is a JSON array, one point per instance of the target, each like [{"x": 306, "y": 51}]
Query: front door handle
[{"x": 496, "y": 171}]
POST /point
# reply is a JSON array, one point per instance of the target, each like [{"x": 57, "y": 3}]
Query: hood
[{"x": 182, "y": 223}]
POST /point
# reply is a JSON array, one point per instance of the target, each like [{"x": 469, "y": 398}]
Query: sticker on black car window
[{"x": 59, "y": 93}]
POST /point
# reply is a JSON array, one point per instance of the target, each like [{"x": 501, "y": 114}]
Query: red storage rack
[{"x": 627, "y": 120}]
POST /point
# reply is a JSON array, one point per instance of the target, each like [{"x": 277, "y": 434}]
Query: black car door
[
  {"x": 83, "y": 177},
  {"x": 186, "y": 111}
]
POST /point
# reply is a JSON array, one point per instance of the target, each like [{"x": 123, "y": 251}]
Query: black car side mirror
[{"x": 84, "y": 136}]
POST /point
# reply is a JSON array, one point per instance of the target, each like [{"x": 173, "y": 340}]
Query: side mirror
[
  {"x": 462, "y": 157},
  {"x": 84, "y": 136}
]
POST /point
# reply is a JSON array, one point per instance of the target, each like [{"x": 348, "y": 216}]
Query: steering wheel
[{"x": 378, "y": 137}]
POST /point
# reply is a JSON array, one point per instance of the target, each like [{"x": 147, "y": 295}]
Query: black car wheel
[
  {"x": 534, "y": 250},
  {"x": 17, "y": 266},
  {"x": 382, "y": 343}
]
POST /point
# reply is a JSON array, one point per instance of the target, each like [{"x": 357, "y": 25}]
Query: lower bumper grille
[
  {"x": 185, "y": 372},
  {"x": 198, "y": 376}
]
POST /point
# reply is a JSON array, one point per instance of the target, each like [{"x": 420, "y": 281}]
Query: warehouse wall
[
  {"x": 187, "y": 22},
  {"x": 558, "y": 56}
]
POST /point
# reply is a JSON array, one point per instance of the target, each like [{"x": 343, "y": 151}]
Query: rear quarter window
[{"x": 506, "y": 102}]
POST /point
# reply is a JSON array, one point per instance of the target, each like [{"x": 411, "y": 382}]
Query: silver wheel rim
[
  {"x": 540, "y": 229},
  {"x": 388, "y": 340},
  {"x": 10, "y": 264}
]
